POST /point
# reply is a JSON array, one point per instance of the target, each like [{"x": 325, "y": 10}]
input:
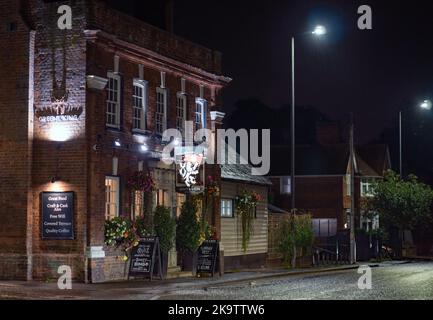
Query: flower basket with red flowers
[
  {"x": 141, "y": 181},
  {"x": 212, "y": 187}
]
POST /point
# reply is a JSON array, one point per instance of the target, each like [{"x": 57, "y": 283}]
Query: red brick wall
[
  {"x": 100, "y": 60},
  {"x": 135, "y": 31},
  {"x": 29, "y": 153},
  {"x": 274, "y": 222},
  {"x": 67, "y": 159},
  {"x": 322, "y": 196},
  {"x": 15, "y": 147}
]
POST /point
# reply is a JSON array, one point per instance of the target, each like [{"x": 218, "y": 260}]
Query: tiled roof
[
  {"x": 274, "y": 209},
  {"x": 242, "y": 172},
  {"x": 377, "y": 157},
  {"x": 311, "y": 160},
  {"x": 372, "y": 160}
]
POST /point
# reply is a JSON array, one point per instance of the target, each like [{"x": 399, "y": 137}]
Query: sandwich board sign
[
  {"x": 144, "y": 258},
  {"x": 208, "y": 254}
]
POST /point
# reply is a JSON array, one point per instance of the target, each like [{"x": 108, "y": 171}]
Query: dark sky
[{"x": 372, "y": 73}]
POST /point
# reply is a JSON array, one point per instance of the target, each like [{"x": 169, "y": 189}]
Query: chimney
[
  {"x": 327, "y": 133},
  {"x": 169, "y": 16}
]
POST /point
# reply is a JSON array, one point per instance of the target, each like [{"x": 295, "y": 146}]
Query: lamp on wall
[
  {"x": 55, "y": 179},
  {"x": 117, "y": 143}
]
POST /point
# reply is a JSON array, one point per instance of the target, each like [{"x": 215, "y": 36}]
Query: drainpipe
[{"x": 169, "y": 16}]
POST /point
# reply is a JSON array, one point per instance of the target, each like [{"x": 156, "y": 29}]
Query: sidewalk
[
  {"x": 146, "y": 290},
  {"x": 420, "y": 258}
]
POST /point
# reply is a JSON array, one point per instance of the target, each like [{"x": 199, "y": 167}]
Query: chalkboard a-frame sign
[
  {"x": 208, "y": 254},
  {"x": 144, "y": 257}
]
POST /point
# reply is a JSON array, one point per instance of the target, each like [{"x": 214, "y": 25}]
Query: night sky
[{"x": 372, "y": 73}]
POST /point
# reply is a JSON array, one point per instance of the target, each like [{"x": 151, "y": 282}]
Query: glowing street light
[
  {"x": 426, "y": 104},
  {"x": 319, "y": 31}
]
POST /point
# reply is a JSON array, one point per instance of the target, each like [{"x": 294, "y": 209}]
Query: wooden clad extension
[{"x": 231, "y": 235}]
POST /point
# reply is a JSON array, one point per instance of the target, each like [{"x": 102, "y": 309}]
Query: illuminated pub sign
[
  {"x": 190, "y": 169},
  {"x": 57, "y": 215}
]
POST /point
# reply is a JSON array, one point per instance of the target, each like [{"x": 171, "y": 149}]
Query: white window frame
[
  {"x": 108, "y": 203},
  {"x": 367, "y": 183},
  {"x": 225, "y": 207},
  {"x": 331, "y": 225},
  {"x": 113, "y": 102},
  {"x": 162, "y": 198},
  {"x": 158, "y": 113},
  {"x": 180, "y": 119},
  {"x": 282, "y": 191},
  {"x": 372, "y": 224},
  {"x": 200, "y": 117},
  {"x": 143, "y": 108},
  {"x": 137, "y": 209}
]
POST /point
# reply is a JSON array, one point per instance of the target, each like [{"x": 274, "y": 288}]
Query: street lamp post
[
  {"x": 293, "y": 142},
  {"x": 426, "y": 105},
  {"x": 318, "y": 31}
]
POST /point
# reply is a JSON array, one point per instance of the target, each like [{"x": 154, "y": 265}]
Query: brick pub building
[{"x": 80, "y": 111}]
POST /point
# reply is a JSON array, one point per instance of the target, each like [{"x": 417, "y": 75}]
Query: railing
[{"x": 323, "y": 256}]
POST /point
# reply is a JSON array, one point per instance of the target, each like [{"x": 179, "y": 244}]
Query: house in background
[{"x": 323, "y": 182}]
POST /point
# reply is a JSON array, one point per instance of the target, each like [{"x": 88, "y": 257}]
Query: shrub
[
  {"x": 165, "y": 227},
  {"x": 302, "y": 236},
  {"x": 304, "y": 233},
  {"x": 142, "y": 227},
  {"x": 285, "y": 241},
  {"x": 188, "y": 228}
]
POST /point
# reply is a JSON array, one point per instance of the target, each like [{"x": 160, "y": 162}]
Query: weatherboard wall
[{"x": 231, "y": 236}]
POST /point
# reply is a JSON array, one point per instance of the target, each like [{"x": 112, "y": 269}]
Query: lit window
[
  {"x": 139, "y": 106},
  {"x": 113, "y": 100},
  {"x": 200, "y": 113},
  {"x": 180, "y": 200},
  {"x": 181, "y": 112},
  {"x": 285, "y": 185},
  {"x": 162, "y": 198},
  {"x": 324, "y": 228},
  {"x": 226, "y": 208},
  {"x": 161, "y": 110},
  {"x": 112, "y": 198},
  {"x": 367, "y": 185},
  {"x": 137, "y": 204}
]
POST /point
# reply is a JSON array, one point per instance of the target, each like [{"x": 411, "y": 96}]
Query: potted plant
[
  {"x": 165, "y": 228},
  {"x": 188, "y": 235}
]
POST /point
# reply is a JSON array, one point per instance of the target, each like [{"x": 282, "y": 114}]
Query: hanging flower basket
[
  {"x": 141, "y": 181},
  {"x": 212, "y": 187},
  {"x": 246, "y": 204}
]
